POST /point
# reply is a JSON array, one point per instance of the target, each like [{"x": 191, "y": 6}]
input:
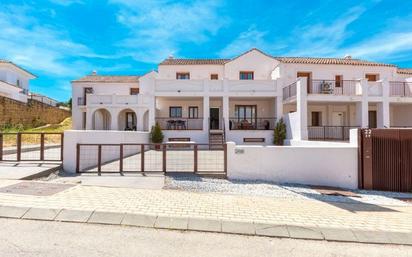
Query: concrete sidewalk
[
  {"x": 169, "y": 209},
  {"x": 27, "y": 169}
]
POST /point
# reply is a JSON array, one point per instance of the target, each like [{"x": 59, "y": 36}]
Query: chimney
[
  {"x": 348, "y": 57},
  {"x": 94, "y": 73},
  {"x": 171, "y": 56}
]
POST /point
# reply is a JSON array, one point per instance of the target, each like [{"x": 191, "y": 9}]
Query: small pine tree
[
  {"x": 279, "y": 134},
  {"x": 156, "y": 134}
]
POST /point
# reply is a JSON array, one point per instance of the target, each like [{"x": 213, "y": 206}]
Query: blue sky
[{"x": 63, "y": 40}]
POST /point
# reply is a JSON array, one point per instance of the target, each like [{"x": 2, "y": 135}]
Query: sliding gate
[
  {"x": 385, "y": 159},
  {"x": 202, "y": 159}
]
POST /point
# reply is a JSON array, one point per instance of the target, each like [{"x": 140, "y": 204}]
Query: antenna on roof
[
  {"x": 347, "y": 56},
  {"x": 94, "y": 73}
]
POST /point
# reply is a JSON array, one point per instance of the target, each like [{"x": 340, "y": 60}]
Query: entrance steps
[{"x": 216, "y": 139}]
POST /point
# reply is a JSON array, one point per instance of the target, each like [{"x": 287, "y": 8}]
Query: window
[
  {"x": 183, "y": 75},
  {"x": 175, "y": 111},
  {"x": 214, "y": 76},
  {"x": 246, "y": 75},
  {"x": 338, "y": 80},
  {"x": 245, "y": 112},
  {"x": 193, "y": 112},
  {"x": 372, "y": 77},
  {"x": 316, "y": 119},
  {"x": 134, "y": 91},
  {"x": 130, "y": 121}
]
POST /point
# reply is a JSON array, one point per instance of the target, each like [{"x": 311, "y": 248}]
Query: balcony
[
  {"x": 167, "y": 123},
  {"x": 108, "y": 100},
  {"x": 400, "y": 89},
  {"x": 252, "y": 86},
  {"x": 193, "y": 86},
  {"x": 236, "y": 123},
  {"x": 333, "y": 133},
  {"x": 289, "y": 91},
  {"x": 334, "y": 87}
]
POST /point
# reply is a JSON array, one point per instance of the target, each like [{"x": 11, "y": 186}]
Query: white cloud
[
  {"x": 67, "y": 2},
  {"x": 159, "y": 28},
  {"x": 36, "y": 46}
]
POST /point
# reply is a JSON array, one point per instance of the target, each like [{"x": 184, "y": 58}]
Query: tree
[
  {"x": 279, "y": 134},
  {"x": 156, "y": 134}
]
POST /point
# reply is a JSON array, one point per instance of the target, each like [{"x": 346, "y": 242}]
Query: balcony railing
[
  {"x": 108, "y": 100},
  {"x": 338, "y": 133},
  {"x": 237, "y": 123},
  {"x": 400, "y": 88},
  {"x": 289, "y": 91},
  {"x": 167, "y": 123},
  {"x": 252, "y": 85},
  {"x": 332, "y": 87}
]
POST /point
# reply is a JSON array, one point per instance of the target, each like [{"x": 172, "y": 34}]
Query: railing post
[
  {"x": 61, "y": 146},
  {"x": 164, "y": 157},
  {"x": 195, "y": 158},
  {"x": 1, "y": 146},
  {"x": 343, "y": 133},
  {"x": 324, "y": 133},
  {"x": 121, "y": 158},
  {"x": 18, "y": 146},
  {"x": 225, "y": 158},
  {"x": 404, "y": 88},
  {"x": 42, "y": 147},
  {"x": 142, "y": 158},
  {"x": 99, "y": 159},
  {"x": 78, "y": 158}
]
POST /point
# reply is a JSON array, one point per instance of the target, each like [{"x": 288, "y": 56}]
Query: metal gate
[
  {"x": 203, "y": 159},
  {"x": 385, "y": 159},
  {"x": 31, "y": 146}
]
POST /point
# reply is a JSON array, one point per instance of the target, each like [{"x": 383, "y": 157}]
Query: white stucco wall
[
  {"x": 334, "y": 166},
  {"x": 74, "y": 137}
]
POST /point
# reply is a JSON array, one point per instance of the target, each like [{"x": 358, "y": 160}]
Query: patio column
[
  {"x": 225, "y": 113},
  {"x": 279, "y": 108},
  {"x": 114, "y": 119},
  {"x": 383, "y": 115},
  {"x": 302, "y": 108},
  {"x": 152, "y": 110},
  {"x": 206, "y": 112},
  {"x": 89, "y": 119},
  {"x": 362, "y": 107}
]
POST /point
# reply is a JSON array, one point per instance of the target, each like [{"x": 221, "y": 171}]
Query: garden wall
[{"x": 32, "y": 113}]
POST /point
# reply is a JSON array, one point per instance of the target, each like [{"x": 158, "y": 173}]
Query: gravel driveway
[{"x": 193, "y": 183}]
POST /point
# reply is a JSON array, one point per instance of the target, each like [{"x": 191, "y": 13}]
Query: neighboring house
[
  {"x": 241, "y": 99},
  {"x": 43, "y": 99},
  {"x": 14, "y": 81}
]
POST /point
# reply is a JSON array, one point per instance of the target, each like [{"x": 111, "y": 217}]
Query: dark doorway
[
  {"x": 372, "y": 119},
  {"x": 214, "y": 118}
]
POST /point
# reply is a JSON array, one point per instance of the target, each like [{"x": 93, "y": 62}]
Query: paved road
[{"x": 41, "y": 238}]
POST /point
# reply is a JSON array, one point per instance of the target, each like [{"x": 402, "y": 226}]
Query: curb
[{"x": 207, "y": 225}]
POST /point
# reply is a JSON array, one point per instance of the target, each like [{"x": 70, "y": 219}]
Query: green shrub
[
  {"x": 279, "y": 134},
  {"x": 156, "y": 134}
]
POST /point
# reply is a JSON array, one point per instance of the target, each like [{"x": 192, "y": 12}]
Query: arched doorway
[
  {"x": 101, "y": 119},
  {"x": 146, "y": 121},
  {"x": 127, "y": 120}
]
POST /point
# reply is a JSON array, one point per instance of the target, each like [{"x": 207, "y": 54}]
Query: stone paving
[{"x": 251, "y": 215}]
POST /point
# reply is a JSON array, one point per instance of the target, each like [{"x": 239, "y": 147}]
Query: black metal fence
[
  {"x": 338, "y": 133},
  {"x": 31, "y": 146},
  {"x": 203, "y": 159}
]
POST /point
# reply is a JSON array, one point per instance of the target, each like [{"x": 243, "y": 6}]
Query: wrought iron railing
[
  {"x": 332, "y": 87},
  {"x": 338, "y": 133},
  {"x": 400, "y": 88},
  {"x": 167, "y": 123},
  {"x": 237, "y": 123}
]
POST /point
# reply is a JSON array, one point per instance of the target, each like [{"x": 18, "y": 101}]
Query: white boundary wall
[
  {"x": 74, "y": 137},
  {"x": 334, "y": 165}
]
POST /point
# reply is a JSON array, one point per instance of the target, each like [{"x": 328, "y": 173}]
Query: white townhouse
[
  {"x": 14, "y": 81},
  {"x": 240, "y": 99}
]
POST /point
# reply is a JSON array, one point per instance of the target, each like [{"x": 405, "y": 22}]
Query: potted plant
[
  {"x": 156, "y": 135},
  {"x": 279, "y": 134}
]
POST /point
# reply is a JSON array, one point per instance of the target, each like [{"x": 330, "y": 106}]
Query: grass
[{"x": 33, "y": 139}]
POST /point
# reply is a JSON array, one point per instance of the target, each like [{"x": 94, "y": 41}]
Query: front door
[
  {"x": 337, "y": 119},
  {"x": 372, "y": 119},
  {"x": 214, "y": 118}
]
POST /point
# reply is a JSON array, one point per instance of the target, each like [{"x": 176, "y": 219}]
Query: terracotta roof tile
[
  {"x": 335, "y": 61},
  {"x": 405, "y": 71},
  {"x": 109, "y": 79},
  {"x": 173, "y": 61}
]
